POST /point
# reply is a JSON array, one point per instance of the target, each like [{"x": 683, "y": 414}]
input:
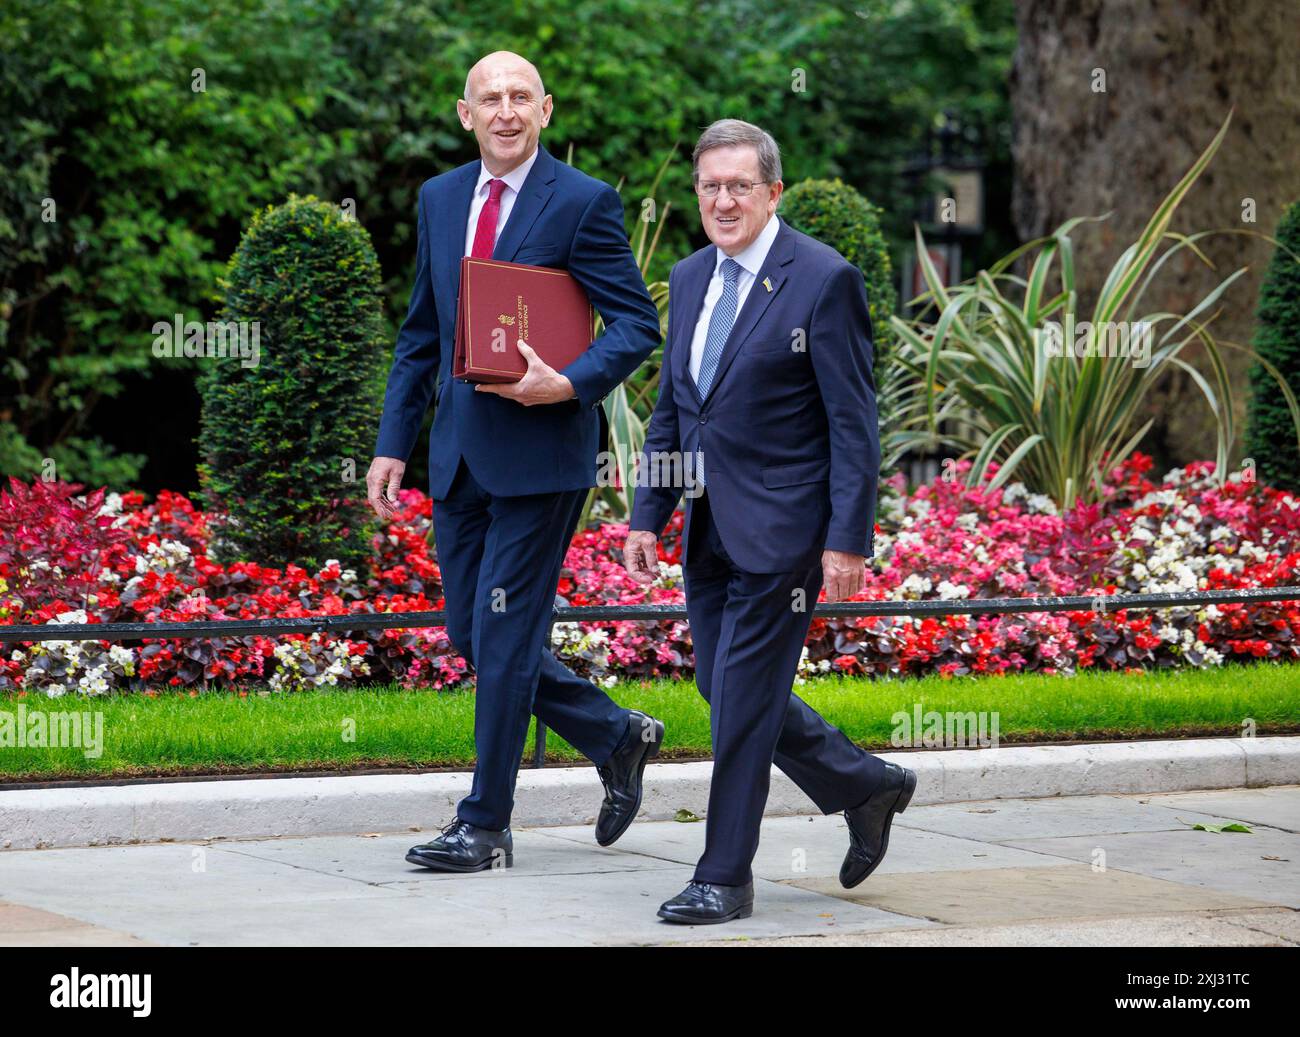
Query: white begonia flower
[
  {"x": 75, "y": 616},
  {"x": 916, "y": 584}
]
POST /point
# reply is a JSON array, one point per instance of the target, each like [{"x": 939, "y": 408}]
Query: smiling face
[
  {"x": 733, "y": 223},
  {"x": 505, "y": 108}
]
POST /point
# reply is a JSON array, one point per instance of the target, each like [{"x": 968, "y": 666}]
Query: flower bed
[{"x": 110, "y": 558}]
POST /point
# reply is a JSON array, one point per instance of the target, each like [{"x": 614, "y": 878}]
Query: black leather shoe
[
  {"x": 621, "y": 776},
  {"x": 465, "y": 847},
  {"x": 706, "y": 903},
  {"x": 869, "y": 824}
]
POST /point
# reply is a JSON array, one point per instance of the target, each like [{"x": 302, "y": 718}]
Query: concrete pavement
[{"x": 1086, "y": 869}]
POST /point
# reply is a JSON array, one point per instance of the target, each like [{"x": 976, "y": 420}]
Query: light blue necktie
[
  {"x": 723, "y": 317},
  {"x": 720, "y": 322}
]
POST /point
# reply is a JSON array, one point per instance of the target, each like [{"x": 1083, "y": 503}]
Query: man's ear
[
  {"x": 547, "y": 108},
  {"x": 777, "y": 189},
  {"x": 462, "y": 111}
]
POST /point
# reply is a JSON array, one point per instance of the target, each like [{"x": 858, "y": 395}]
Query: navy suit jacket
[
  {"x": 788, "y": 431},
  {"x": 564, "y": 219}
]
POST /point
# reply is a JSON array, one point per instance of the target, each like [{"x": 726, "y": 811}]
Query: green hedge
[
  {"x": 1270, "y": 434},
  {"x": 286, "y": 443},
  {"x": 835, "y": 213}
]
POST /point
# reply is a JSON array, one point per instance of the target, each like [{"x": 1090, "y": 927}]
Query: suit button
[{"x": 704, "y": 421}]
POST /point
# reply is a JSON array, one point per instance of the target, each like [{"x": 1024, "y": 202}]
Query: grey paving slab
[
  {"x": 1277, "y": 807},
  {"x": 1264, "y": 865},
  {"x": 1004, "y": 895},
  {"x": 493, "y": 908},
  {"x": 1002, "y": 820},
  {"x": 1273, "y": 922},
  {"x": 271, "y": 892},
  {"x": 1235, "y": 929},
  {"x": 792, "y": 847},
  {"x": 382, "y": 858},
  {"x": 117, "y": 887},
  {"x": 619, "y": 908}
]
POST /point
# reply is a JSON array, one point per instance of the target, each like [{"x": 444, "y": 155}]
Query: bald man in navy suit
[{"x": 510, "y": 465}]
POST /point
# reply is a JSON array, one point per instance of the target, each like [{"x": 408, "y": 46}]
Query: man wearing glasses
[{"x": 767, "y": 380}]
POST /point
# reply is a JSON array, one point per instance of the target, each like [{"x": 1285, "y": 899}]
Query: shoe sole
[
  {"x": 459, "y": 868},
  {"x": 741, "y": 912},
  {"x": 646, "y": 757},
  {"x": 900, "y": 804}
]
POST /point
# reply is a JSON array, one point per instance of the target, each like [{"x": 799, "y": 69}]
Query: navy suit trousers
[
  {"x": 500, "y": 559},
  {"x": 748, "y": 632}
]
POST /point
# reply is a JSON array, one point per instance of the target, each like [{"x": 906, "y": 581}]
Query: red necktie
[{"x": 485, "y": 234}]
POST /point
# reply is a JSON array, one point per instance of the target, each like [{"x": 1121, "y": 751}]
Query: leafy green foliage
[
  {"x": 1270, "y": 436},
  {"x": 152, "y": 178},
  {"x": 1058, "y": 420},
  {"x": 286, "y": 443}
]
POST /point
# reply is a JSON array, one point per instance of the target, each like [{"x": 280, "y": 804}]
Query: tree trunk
[{"x": 1172, "y": 70}]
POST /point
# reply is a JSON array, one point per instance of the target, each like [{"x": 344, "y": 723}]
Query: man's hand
[
  {"x": 640, "y": 557},
  {"x": 541, "y": 383},
  {"x": 843, "y": 574},
  {"x": 382, "y": 483}
]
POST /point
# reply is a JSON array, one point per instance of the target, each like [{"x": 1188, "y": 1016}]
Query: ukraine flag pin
[{"x": 767, "y": 283}]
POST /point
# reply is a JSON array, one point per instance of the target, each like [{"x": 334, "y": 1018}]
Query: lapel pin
[{"x": 767, "y": 283}]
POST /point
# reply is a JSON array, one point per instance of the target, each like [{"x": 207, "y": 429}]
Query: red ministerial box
[{"x": 501, "y": 303}]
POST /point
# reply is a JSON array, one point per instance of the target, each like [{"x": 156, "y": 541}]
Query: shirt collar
[
  {"x": 514, "y": 179},
  {"x": 752, "y": 258}
]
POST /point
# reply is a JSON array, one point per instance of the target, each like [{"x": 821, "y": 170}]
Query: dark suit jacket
[
  {"x": 789, "y": 436},
  {"x": 563, "y": 219}
]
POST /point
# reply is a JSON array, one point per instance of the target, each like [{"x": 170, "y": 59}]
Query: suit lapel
[
  {"x": 462, "y": 193},
  {"x": 757, "y": 301},
  {"x": 696, "y": 285}
]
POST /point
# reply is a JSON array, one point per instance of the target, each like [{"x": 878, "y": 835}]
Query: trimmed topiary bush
[
  {"x": 287, "y": 427},
  {"x": 835, "y": 213},
  {"x": 1270, "y": 433}
]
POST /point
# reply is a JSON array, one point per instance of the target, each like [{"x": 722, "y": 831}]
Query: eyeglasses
[{"x": 735, "y": 188}]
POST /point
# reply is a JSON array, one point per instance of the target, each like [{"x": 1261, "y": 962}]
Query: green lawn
[{"x": 387, "y": 727}]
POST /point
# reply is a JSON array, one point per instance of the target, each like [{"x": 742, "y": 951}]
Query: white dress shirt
[
  {"x": 514, "y": 181},
  {"x": 751, "y": 261}
]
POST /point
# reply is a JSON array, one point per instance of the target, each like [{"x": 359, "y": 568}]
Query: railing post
[{"x": 539, "y": 740}]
